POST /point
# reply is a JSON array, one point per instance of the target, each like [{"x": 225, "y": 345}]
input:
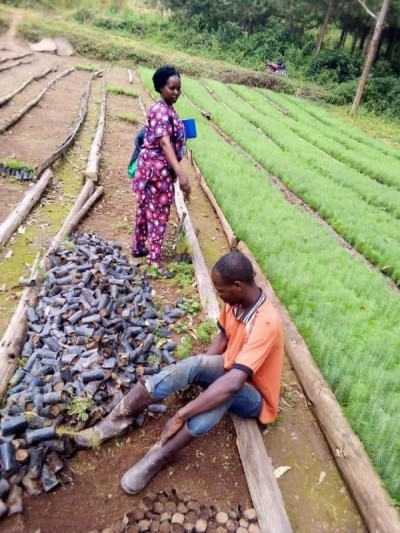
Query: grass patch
[
  {"x": 127, "y": 117},
  {"x": 16, "y": 164},
  {"x": 206, "y": 331},
  {"x": 87, "y": 68},
  {"x": 125, "y": 91},
  {"x": 184, "y": 349},
  {"x": 81, "y": 408}
]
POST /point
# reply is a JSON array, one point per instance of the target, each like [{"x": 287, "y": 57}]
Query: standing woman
[{"x": 158, "y": 167}]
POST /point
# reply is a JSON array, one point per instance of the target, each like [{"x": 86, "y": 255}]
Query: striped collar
[{"x": 249, "y": 313}]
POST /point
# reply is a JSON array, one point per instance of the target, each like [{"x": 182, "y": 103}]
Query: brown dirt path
[{"x": 47, "y": 124}]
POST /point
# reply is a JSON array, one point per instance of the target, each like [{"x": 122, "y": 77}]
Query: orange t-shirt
[{"x": 255, "y": 345}]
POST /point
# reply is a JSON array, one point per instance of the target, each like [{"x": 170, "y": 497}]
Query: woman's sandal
[{"x": 140, "y": 253}]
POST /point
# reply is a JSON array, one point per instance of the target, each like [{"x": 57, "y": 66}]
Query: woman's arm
[{"x": 170, "y": 156}]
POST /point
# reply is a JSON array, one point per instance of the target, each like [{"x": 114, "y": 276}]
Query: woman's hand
[{"x": 184, "y": 183}]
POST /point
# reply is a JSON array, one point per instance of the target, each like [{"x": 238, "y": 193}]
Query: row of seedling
[
  {"x": 380, "y": 163},
  {"x": 367, "y": 227},
  {"x": 17, "y": 170}
]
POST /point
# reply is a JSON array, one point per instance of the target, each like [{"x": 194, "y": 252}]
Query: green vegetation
[
  {"x": 125, "y": 91},
  {"x": 184, "y": 349},
  {"x": 81, "y": 408},
  {"x": 190, "y": 305},
  {"x": 206, "y": 331},
  {"x": 318, "y": 179},
  {"x": 4, "y": 23},
  {"x": 87, "y": 68},
  {"x": 127, "y": 117},
  {"x": 15, "y": 164},
  {"x": 183, "y": 274},
  {"x": 347, "y": 313}
]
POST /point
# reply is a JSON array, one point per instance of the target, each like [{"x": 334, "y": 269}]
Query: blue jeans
[{"x": 203, "y": 370}]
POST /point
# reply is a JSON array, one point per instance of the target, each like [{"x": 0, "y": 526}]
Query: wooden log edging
[
  {"x": 353, "y": 462},
  {"x": 17, "y": 63},
  {"x": 10, "y": 95},
  {"x": 20, "y": 56},
  {"x": 19, "y": 114},
  {"x": 15, "y": 218},
  {"x": 204, "y": 284},
  {"x": 229, "y": 234},
  {"x": 93, "y": 165},
  {"x": 84, "y": 195}
]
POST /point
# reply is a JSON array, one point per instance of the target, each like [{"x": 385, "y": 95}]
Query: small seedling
[
  {"x": 205, "y": 331},
  {"x": 87, "y": 68},
  {"x": 189, "y": 305},
  {"x": 127, "y": 117},
  {"x": 185, "y": 348},
  {"x": 81, "y": 407},
  {"x": 114, "y": 89}
]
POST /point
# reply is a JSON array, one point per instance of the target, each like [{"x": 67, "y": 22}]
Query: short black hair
[
  {"x": 161, "y": 76},
  {"x": 235, "y": 266}
]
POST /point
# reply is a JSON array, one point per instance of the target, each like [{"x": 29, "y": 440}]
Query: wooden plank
[
  {"x": 93, "y": 165},
  {"x": 265, "y": 494}
]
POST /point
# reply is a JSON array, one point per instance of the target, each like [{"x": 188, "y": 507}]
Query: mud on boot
[
  {"x": 120, "y": 418},
  {"x": 140, "y": 474}
]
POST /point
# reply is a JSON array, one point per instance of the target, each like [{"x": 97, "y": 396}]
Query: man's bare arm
[{"x": 218, "y": 344}]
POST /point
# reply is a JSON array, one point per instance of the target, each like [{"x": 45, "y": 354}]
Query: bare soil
[{"x": 209, "y": 469}]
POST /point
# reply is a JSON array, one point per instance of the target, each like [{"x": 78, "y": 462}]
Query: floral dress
[{"x": 153, "y": 182}]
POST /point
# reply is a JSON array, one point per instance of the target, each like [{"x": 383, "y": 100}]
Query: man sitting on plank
[{"x": 240, "y": 373}]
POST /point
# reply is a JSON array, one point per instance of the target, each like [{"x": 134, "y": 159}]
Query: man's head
[{"x": 233, "y": 276}]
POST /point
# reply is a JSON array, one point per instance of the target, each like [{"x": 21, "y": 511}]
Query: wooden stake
[
  {"x": 4, "y": 59},
  {"x": 71, "y": 137},
  {"x": 130, "y": 76},
  {"x": 8, "y": 96},
  {"x": 17, "y": 63},
  {"x": 19, "y": 114},
  {"x": 92, "y": 168},
  {"x": 74, "y": 222},
  {"x": 349, "y": 453},
  {"x": 85, "y": 194},
  {"x": 15, "y": 218},
  {"x": 265, "y": 494},
  {"x": 204, "y": 285}
]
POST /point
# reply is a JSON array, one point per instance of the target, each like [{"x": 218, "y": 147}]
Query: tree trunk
[
  {"x": 363, "y": 39},
  {"x": 327, "y": 18},
  {"x": 354, "y": 44},
  {"x": 343, "y": 38},
  {"x": 371, "y": 56},
  {"x": 367, "y": 42},
  {"x": 391, "y": 44}
]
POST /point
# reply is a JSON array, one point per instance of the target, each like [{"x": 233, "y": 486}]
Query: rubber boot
[
  {"x": 140, "y": 474},
  {"x": 120, "y": 418}
]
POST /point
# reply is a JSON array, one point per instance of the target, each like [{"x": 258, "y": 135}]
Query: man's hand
[{"x": 173, "y": 425}]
